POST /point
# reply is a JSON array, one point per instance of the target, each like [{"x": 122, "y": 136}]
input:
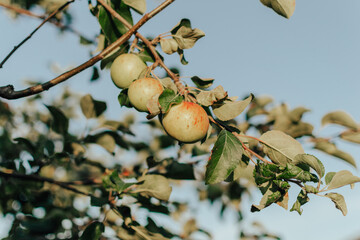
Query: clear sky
[{"x": 310, "y": 60}]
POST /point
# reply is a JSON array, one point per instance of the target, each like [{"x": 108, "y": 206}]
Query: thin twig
[
  {"x": 151, "y": 47},
  {"x": 36, "y": 178},
  {"x": 249, "y": 150},
  {"x": 21, "y": 11},
  {"x": 42, "y": 17},
  {"x": 297, "y": 183},
  {"x": 8, "y": 91},
  {"x": 36, "y": 29}
]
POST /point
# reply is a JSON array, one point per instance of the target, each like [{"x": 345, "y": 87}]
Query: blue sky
[{"x": 311, "y": 60}]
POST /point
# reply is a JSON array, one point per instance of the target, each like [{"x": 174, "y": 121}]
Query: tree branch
[
  {"x": 151, "y": 47},
  {"x": 36, "y": 178},
  {"x": 36, "y": 29},
  {"x": 8, "y": 91}
]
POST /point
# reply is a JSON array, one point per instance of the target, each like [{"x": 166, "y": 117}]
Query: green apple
[
  {"x": 125, "y": 69},
  {"x": 142, "y": 90}
]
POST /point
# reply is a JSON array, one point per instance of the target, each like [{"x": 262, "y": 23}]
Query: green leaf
[
  {"x": 138, "y": 5},
  {"x": 156, "y": 186},
  {"x": 202, "y": 82},
  {"x": 292, "y": 171},
  {"x": 95, "y": 76},
  {"x": 60, "y": 123},
  {"x": 339, "y": 201},
  {"x": 120, "y": 185},
  {"x": 342, "y": 178},
  {"x": 113, "y": 182},
  {"x": 228, "y": 110},
  {"x": 93, "y": 231},
  {"x": 146, "y": 55},
  {"x": 167, "y": 99},
  {"x": 85, "y": 41},
  {"x": 225, "y": 157},
  {"x": 90, "y": 107},
  {"x": 311, "y": 189},
  {"x": 329, "y": 176},
  {"x": 184, "y": 22},
  {"x": 266, "y": 172},
  {"x": 113, "y": 28},
  {"x": 340, "y": 118},
  {"x": 271, "y": 194},
  {"x": 331, "y": 149},
  {"x": 282, "y": 184},
  {"x": 301, "y": 199},
  {"x": 109, "y": 58},
  {"x": 124, "y": 99},
  {"x": 169, "y": 46},
  {"x": 98, "y": 202},
  {"x": 280, "y": 147},
  {"x": 351, "y": 136},
  {"x": 311, "y": 161},
  {"x": 284, "y": 8},
  {"x": 182, "y": 57}
]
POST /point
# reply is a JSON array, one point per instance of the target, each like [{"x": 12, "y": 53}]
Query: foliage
[{"x": 46, "y": 166}]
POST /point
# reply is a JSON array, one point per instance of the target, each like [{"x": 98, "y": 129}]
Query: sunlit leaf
[
  {"x": 351, "y": 136},
  {"x": 207, "y": 98},
  {"x": 138, "y": 5},
  {"x": 169, "y": 83},
  {"x": 229, "y": 110},
  {"x": 169, "y": 46},
  {"x": 156, "y": 186},
  {"x": 342, "y": 178},
  {"x": 331, "y": 149},
  {"x": 340, "y": 118},
  {"x": 284, "y": 8},
  {"x": 339, "y": 201},
  {"x": 107, "y": 142},
  {"x": 297, "y": 113},
  {"x": 312, "y": 161},
  {"x": 329, "y": 176},
  {"x": 280, "y": 147}
]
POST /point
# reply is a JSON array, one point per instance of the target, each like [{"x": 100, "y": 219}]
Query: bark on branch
[{"x": 8, "y": 91}]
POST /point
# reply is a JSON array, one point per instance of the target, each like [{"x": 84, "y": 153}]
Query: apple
[
  {"x": 142, "y": 90},
  {"x": 187, "y": 122},
  {"x": 125, "y": 69}
]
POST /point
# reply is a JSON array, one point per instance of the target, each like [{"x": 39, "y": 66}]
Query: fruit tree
[{"x": 57, "y": 181}]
